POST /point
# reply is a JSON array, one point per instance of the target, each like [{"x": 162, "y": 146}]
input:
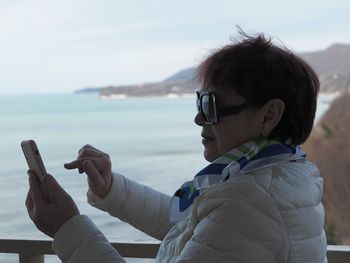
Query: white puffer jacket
[{"x": 273, "y": 214}]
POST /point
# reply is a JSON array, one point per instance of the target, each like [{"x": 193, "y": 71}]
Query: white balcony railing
[{"x": 33, "y": 251}]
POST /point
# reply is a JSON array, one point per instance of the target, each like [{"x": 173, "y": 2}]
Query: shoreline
[
  {"x": 125, "y": 96},
  {"x": 324, "y": 96}
]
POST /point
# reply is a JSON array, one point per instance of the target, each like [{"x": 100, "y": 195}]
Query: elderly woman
[{"x": 259, "y": 199}]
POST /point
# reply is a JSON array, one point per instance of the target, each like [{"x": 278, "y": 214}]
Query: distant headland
[{"x": 332, "y": 66}]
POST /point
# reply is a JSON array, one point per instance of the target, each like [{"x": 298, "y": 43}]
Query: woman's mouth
[{"x": 206, "y": 139}]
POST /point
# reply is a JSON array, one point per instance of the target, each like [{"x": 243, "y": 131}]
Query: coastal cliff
[{"x": 329, "y": 148}]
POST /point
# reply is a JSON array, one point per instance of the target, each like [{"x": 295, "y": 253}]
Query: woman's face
[{"x": 231, "y": 131}]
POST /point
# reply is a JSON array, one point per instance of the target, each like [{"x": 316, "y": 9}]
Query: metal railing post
[{"x": 24, "y": 258}]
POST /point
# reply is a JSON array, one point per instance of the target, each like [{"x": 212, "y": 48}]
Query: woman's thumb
[{"x": 53, "y": 190}]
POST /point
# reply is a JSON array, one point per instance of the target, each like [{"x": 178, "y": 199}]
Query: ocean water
[{"x": 151, "y": 140}]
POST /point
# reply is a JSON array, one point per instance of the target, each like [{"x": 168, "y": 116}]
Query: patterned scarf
[{"x": 243, "y": 159}]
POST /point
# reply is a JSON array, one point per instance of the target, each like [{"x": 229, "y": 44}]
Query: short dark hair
[{"x": 257, "y": 69}]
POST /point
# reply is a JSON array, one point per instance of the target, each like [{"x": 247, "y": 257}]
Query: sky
[{"x": 49, "y": 46}]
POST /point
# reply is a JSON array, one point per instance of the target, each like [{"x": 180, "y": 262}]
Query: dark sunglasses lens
[
  {"x": 198, "y": 104},
  {"x": 208, "y": 108}
]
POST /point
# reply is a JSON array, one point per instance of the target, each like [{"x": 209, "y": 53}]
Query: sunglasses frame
[{"x": 221, "y": 111}]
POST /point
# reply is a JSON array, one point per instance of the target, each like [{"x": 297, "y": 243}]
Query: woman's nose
[{"x": 198, "y": 119}]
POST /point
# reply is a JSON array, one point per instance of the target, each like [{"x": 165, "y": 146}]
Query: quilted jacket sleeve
[
  {"x": 140, "y": 206},
  {"x": 79, "y": 240}
]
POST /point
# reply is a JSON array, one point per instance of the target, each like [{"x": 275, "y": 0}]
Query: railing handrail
[
  {"x": 35, "y": 247},
  {"x": 30, "y": 250}
]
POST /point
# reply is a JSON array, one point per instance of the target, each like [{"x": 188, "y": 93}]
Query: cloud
[{"x": 67, "y": 44}]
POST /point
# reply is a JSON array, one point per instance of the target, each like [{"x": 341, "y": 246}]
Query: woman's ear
[{"x": 272, "y": 113}]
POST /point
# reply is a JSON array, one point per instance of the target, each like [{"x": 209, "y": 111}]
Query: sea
[{"x": 152, "y": 140}]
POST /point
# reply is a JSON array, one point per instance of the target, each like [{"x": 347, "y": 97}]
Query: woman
[{"x": 259, "y": 199}]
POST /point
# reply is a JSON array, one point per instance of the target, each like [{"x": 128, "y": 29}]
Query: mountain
[
  {"x": 333, "y": 60},
  {"x": 182, "y": 75},
  {"x": 329, "y": 148},
  {"x": 181, "y": 83},
  {"x": 332, "y": 65}
]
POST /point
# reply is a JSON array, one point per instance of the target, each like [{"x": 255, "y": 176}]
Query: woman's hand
[
  {"x": 48, "y": 205},
  {"x": 98, "y": 167}
]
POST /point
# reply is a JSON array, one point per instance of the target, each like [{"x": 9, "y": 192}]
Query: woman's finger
[
  {"x": 89, "y": 150},
  {"x": 36, "y": 194},
  {"x": 86, "y": 146},
  {"x": 29, "y": 202},
  {"x": 74, "y": 164},
  {"x": 89, "y": 153},
  {"x": 89, "y": 146},
  {"x": 78, "y": 164},
  {"x": 56, "y": 193},
  {"x": 95, "y": 178}
]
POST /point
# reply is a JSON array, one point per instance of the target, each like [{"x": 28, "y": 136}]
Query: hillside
[
  {"x": 329, "y": 148},
  {"x": 334, "y": 59},
  {"x": 332, "y": 66},
  {"x": 182, "y": 75},
  {"x": 165, "y": 88}
]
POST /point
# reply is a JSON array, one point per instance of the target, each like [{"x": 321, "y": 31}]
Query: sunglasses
[{"x": 206, "y": 105}]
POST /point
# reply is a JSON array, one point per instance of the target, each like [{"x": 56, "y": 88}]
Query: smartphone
[{"x": 34, "y": 161}]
